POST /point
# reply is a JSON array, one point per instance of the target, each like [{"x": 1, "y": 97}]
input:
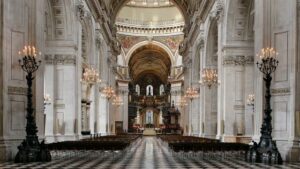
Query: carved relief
[
  {"x": 239, "y": 107},
  {"x": 281, "y": 91},
  {"x": 12, "y": 90}
]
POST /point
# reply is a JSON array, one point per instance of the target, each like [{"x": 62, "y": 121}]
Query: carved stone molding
[
  {"x": 59, "y": 106},
  {"x": 281, "y": 91},
  {"x": 238, "y": 60},
  {"x": 218, "y": 12},
  {"x": 12, "y": 90},
  {"x": 60, "y": 59},
  {"x": 239, "y": 107},
  {"x": 98, "y": 39},
  {"x": 82, "y": 12}
]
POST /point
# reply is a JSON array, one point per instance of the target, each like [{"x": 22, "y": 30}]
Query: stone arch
[
  {"x": 210, "y": 47},
  {"x": 210, "y": 60},
  {"x": 240, "y": 19},
  {"x": 88, "y": 33},
  {"x": 197, "y": 58},
  {"x": 144, "y": 43},
  {"x": 59, "y": 19}
]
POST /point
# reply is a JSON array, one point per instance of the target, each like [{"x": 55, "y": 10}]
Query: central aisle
[{"x": 146, "y": 153}]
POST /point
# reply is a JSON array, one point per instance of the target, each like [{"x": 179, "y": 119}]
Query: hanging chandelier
[
  {"x": 209, "y": 77},
  {"x": 108, "y": 92},
  {"x": 191, "y": 93},
  {"x": 182, "y": 102},
  {"x": 118, "y": 101},
  {"x": 90, "y": 76}
]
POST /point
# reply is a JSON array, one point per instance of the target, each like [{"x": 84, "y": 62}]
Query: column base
[
  {"x": 31, "y": 150},
  {"x": 264, "y": 152}
]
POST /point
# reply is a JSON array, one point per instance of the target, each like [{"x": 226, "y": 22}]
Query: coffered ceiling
[{"x": 150, "y": 59}]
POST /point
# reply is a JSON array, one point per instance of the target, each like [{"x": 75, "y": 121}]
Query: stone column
[
  {"x": 220, "y": 88},
  {"x": 102, "y": 112},
  {"x": 123, "y": 89}
]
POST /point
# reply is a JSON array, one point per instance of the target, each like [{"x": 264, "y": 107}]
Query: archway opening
[{"x": 149, "y": 68}]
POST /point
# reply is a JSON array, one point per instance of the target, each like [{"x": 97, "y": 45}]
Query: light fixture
[
  {"x": 31, "y": 150},
  {"x": 155, "y": 3},
  {"x": 118, "y": 101},
  {"x": 90, "y": 76},
  {"x": 108, "y": 92},
  {"x": 266, "y": 150},
  {"x": 209, "y": 77},
  {"x": 191, "y": 93}
]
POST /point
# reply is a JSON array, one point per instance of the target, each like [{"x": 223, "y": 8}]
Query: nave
[{"x": 146, "y": 152}]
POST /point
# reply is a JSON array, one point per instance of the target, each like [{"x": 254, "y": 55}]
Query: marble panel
[
  {"x": 280, "y": 116},
  {"x": 17, "y": 42},
  {"x": 18, "y": 114},
  {"x": 281, "y": 44},
  {"x": 59, "y": 92}
]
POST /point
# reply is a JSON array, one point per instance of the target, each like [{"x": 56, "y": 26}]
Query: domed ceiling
[{"x": 146, "y": 14}]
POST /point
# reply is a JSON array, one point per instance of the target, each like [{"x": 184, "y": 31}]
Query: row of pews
[
  {"x": 98, "y": 145},
  {"x": 189, "y": 146}
]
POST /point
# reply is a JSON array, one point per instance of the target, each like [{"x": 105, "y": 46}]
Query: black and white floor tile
[{"x": 147, "y": 153}]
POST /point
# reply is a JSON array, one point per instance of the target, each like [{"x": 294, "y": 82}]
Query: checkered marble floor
[{"x": 147, "y": 153}]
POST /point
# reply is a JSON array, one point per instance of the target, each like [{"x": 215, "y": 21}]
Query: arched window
[
  {"x": 137, "y": 89},
  {"x": 149, "y": 90},
  {"x": 161, "y": 89}
]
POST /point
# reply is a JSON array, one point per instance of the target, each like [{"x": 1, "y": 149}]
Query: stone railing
[
  {"x": 139, "y": 23},
  {"x": 139, "y": 27}
]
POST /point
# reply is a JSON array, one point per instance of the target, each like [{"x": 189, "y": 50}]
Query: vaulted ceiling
[{"x": 149, "y": 60}]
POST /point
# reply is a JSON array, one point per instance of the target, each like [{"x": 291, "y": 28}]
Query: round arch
[
  {"x": 211, "y": 26},
  {"x": 144, "y": 43}
]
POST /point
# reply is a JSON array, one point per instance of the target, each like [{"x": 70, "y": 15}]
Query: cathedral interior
[{"x": 149, "y": 83}]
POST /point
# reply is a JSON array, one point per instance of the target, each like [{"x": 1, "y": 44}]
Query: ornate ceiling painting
[
  {"x": 127, "y": 42},
  {"x": 172, "y": 42}
]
